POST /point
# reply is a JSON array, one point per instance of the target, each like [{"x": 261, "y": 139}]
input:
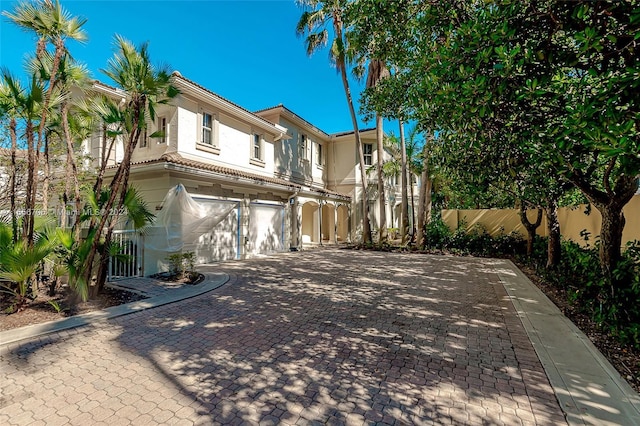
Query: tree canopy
[{"x": 548, "y": 89}]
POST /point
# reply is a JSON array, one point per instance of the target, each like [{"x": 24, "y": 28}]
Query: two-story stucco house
[
  {"x": 316, "y": 159},
  {"x": 286, "y": 182}
]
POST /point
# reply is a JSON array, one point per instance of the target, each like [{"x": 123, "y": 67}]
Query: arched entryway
[
  {"x": 343, "y": 223},
  {"x": 397, "y": 216},
  {"x": 310, "y": 223},
  {"x": 328, "y": 223}
]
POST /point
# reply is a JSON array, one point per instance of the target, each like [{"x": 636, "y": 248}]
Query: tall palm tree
[
  {"x": 70, "y": 75},
  {"x": 10, "y": 99},
  {"x": 53, "y": 25},
  {"x": 407, "y": 161},
  {"x": 376, "y": 72},
  {"x": 25, "y": 104},
  {"x": 146, "y": 86},
  {"x": 313, "y": 26},
  {"x": 405, "y": 203},
  {"x": 424, "y": 191}
]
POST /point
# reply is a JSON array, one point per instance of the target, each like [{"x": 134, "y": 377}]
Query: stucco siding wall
[
  {"x": 291, "y": 161},
  {"x": 342, "y": 167},
  {"x": 495, "y": 222},
  {"x": 152, "y": 190},
  {"x": 573, "y": 221},
  {"x": 233, "y": 137}
]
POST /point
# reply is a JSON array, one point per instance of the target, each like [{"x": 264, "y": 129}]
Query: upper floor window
[
  {"x": 256, "y": 149},
  {"x": 162, "y": 128},
  {"x": 302, "y": 143},
  {"x": 319, "y": 155},
  {"x": 393, "y": 179},
  {"x": 367, "y": 148},
  {"x": 207, "y": 129}
]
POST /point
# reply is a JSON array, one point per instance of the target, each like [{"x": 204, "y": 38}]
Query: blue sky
[{"x": 246, "y": 51}]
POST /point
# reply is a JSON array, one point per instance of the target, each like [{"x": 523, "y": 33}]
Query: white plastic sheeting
[
  {"x": 266, "y": 228},
  {"x": 221, "y": 242},
  {"x": 179, "y": 226}
]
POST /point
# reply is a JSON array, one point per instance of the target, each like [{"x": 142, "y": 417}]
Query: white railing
[{"x": 130, "y": 263}]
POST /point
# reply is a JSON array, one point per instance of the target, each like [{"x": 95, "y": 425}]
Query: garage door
[
  {"x": 221, "y": 243},
  {"x": 266, "y": 228}
]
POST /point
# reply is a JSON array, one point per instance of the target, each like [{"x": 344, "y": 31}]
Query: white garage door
[
  {"x": 266, "y": 228},
  {"x": 221, "y": 243}
]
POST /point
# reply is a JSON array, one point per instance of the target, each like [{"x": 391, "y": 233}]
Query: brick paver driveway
[{"x": 328, "y": 336}]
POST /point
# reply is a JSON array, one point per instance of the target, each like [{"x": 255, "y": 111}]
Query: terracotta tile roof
[
  {"x": 176, "y": 158},
  {"x": 329, "y": 192},
  {"x": 269, "y": 108},
  {"x": 6, "y": 152},
  {"x": 350, "y": 132},
  {"x": 176, "y": 74},
  {"x": 295, "y": 115}
]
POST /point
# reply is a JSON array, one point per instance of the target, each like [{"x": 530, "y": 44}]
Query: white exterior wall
[
  {"x": 341, "y": 164},
  {"x": 234, "y": 140},
  {"x": 318, "y": 171},
  {"x": 154, "y": 148},
  {"x": 152, "y": 189},
  {"x": 290, "y": 161}
]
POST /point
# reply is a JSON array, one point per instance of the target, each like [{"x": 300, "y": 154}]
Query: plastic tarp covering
[
  {"x": 266, "y": 228},
  {"x": 221, "y": 242},
  {"x": 182, "y": 221}
]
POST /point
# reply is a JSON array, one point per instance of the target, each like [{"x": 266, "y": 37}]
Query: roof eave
[{"x": 187, "y": 87}]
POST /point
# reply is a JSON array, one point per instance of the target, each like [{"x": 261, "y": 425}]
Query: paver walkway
[{"x": 321, "y": 337}]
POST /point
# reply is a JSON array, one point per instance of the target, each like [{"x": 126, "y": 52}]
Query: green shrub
[
  {"x": 438, "y": 234},
  {"x": 610, "y": 300},
  {"x": 182, "y": 265},
  {"x": 476, "y": 242}
]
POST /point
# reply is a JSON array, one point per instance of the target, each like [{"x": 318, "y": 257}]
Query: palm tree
[
  {"x": 377, "y": 71},
  {"x": 19, "y": 262},
  {"x": 405, "y": 204},
  {"x": 408, "y": 161},
  {"x": 424, "y": 191},
  {"x": 24, "y": 105},
  {"x": 313, "y": 26},
  {"x": 70, "y": 75},
  {"x": 74, "y": 254},
  {"x": 11, "y": 94},
  {"x": 146, "y": 87},
  {"x": 52, "y": 24}
]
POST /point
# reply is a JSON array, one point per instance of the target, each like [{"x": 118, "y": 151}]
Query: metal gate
[{"x": 128, "y": 262}]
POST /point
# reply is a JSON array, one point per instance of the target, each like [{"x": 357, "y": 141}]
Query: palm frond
[{"x": 137, "y": 209}]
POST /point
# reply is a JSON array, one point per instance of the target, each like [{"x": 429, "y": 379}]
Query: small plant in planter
[{"x": 182, "y": 266}]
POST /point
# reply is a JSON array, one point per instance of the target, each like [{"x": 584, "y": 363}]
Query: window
[
  {"x": 162, "y": 128},
  {"x": 207, "y": 132},
  {"x": 257, "y": 147},
  {"x": 302, "y": 143},
  {"x": 319, "y": 155},
  {"x": 207, "y": 129},
  {"x": 367, "y": 148}
]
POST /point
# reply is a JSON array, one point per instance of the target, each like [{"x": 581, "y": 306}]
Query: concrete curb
[
  {"x": 589, "y": 389},
  {"x": 211, "y": 282}
]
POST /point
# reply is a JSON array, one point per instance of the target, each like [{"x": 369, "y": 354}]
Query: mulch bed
[
  {"x": 177, "y": 279},
  {"x": 40, "y": 310}
]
